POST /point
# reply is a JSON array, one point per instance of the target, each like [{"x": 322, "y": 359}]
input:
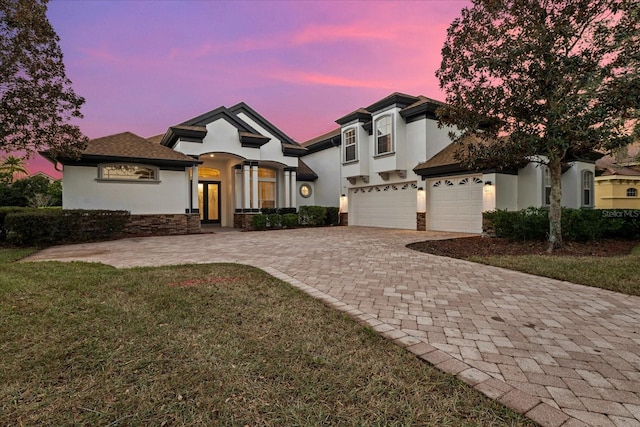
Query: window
[
  {"x": 350, "y": 145},
  {"x": 384, "y": 143},
  {"x": 266, "y": 188},
  {"x": 546, "y": 183},
  {"x": 587, "y": 188},
  {"x": 305, "y": 190},
  {"x": 632, "y": 192},
  {"x": 127, "y": 171}
]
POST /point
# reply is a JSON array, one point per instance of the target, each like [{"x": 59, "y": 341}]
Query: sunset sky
[{"x": 143, "y": 66}]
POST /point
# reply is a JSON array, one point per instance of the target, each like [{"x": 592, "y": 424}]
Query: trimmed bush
[
  {"x": 274, "y": 220},
  {"x": 333, "y": 216},
  {"x": 259, "y": 221},
  {"x": 577, "y": 224},
  {"x": 289, "y": 220},
  {"x": 4, "y": 211},
  {"x": 40, "y": 227},
  {"x": 312, "y": 215}
]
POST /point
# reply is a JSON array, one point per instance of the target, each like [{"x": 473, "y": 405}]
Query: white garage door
[
  {"x": 455, "y": 204},
  {"x": 390, "y": 206}
]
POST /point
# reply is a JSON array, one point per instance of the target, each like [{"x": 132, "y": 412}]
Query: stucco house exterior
[
  {"x": 385, "y": 165},
  {"x": 618, "y": 180}
]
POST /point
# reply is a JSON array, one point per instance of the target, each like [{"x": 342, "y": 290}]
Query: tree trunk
[{"x": 555, "y": 206}]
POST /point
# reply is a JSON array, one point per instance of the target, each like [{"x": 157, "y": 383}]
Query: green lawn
[
  {"x": 619, "y": 273},
  {"x": 202, "y": 345}
]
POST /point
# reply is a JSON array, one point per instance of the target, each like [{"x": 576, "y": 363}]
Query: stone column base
[
  {"x": 344, "y": 218},
  {"x": 421, "y": 221}
]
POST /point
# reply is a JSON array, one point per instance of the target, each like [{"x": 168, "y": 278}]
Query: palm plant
[{"x": 12, "y": 166}]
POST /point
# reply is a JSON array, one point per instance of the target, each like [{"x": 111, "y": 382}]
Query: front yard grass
[
  {"x": 87, "y": 344},
  {"x": 619, "y": 273}
]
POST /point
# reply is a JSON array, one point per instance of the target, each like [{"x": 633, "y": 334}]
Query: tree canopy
[
  {"x": 11, "y": 166},
  {"x": 36, "y": 98},
  {"x": 554, "y": 78}
]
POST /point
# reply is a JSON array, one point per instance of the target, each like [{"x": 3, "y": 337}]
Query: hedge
[
  {"x": 312, "y": 215},
  {"x": 40, "y": 227},
  {"x": 289, "y": 220},
  {"x": 4, "y": 211},
  {"x": 577, "y": 224}
]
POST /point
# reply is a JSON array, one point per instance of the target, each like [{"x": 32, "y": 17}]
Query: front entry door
[{"x": 209, "y": 201}]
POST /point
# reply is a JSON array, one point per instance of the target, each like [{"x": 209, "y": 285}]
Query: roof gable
[{"x": 244, "y": 108}]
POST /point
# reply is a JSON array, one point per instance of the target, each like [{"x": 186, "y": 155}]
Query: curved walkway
[{"x": 563, "y": 354}]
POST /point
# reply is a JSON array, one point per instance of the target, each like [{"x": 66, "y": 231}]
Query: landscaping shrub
[
  {"x": 312, "y": 215},
  {"x": 39, "y": 227},
  {"x": 577, "y": 224},
  {"x": 289, "y": 220},
  {"x": 284, "y": 211},
  {"x": 268, "y": 211},
  {"x": 333, "y": 216},
  {"x": 259, "y": 221},
  {"x": 274, "y": 220},
  {"x": 4, "y": 211}
]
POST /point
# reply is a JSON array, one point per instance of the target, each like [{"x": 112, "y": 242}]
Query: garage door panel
[
  {"x": 455, "y": 204},
  {"x": 390, "y": 206}
]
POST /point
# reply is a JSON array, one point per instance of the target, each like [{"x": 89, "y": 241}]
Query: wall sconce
[
  {"x": 488, "y": 186},
  {"x": 421, "y": 206},
  {"x": 344, "y": 204}
]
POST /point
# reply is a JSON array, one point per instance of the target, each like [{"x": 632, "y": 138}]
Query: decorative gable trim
[{"x": 252, "y": 140}]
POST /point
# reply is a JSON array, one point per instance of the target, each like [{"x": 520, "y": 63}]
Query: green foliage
[
  {"x": 333, "y": 216},
  {"x": 560, "y": 78},
  {"x": 259, "y": 221},
  {"x": 41, "y": 227},
  {"x": 312, "y": 215},
  {"x": 4, "y": 211},
  {"x": 24, "y": 192},
  {"x": 274, "y": 220},
  {"x": 289, "y": 220},
  {"x": 579, "y": 225},
  {"x": 10, "y": 166},
  {"x": 279, "y": 211},
  {"x": 36, "y": 98}
]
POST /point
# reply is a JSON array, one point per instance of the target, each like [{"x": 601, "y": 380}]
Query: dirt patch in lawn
[{"x": 488, "y": 246}]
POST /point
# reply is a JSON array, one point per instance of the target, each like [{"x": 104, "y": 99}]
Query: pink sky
[{"x": 144, "y": 66}]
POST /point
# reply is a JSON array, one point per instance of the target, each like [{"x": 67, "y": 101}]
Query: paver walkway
[{"x": 563, "y": 354}]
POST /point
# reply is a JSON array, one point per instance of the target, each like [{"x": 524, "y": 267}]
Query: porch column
[
  {"x": 287, "y": 188},
  {"x": 237, "y": 188},
  {"x": 294, "y": 186},
  {"x": 195, "y": 206},
  {"x": 255, "y": 207},
  {"x": 246, "y": 200}
]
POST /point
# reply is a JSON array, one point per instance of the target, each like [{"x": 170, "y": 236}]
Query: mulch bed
[{"x": 487, "y": 246}]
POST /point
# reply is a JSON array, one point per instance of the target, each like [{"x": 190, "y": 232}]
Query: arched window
[
  {"x": 127, "y": 172},
  {"x": 350, "y": 151},
  {"x": 587, "y": 188},
  {"x": 384, "y": 136},
  {"x": 632, "y": 192}
]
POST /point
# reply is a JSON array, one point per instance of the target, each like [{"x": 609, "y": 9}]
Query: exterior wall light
[
  {"x": 488, "y": 186},
  {"x": 421, "y": 201},
  {"x": 344, "y": 204}
]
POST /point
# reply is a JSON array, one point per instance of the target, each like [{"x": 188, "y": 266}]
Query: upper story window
[
  {"x": 632, "y": 192},
  {"x": 546, "y": 185},
  {"x": 350, "y": 152},
  {"x": 587, "y": 188},
  {"x": 127, "y": 171},
  {"x": 384, "y": 140}
]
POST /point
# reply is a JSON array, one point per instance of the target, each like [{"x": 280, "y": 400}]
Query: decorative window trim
[
  {"x": 391, "y": 141},
  {"x": 305, "y": 191},
  {"x": 105, "y": 177},
  {"x": 350, "y": 138},
  {"x": 632, "y": 192},
  {"x": 586, "y": 185}
]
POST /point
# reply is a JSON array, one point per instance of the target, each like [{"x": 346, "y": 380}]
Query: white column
[
  {"x": 246, "y": 200},
  {"x": 254, "y": 186},
  {"x": 287, "y": 189},
  {"x": 237, "y": 188},
  {"x": 294, "y": 192},
  {"x": 194, "y": 188}
]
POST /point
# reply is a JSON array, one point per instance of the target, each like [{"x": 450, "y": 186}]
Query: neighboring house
[
  {"x": 387, "y": 165},
  {"x": 44, "y": 175},
  {"x": 618, "y": 180}
]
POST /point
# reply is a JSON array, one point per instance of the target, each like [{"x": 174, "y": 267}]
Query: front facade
[
  {"x": 386, "y": 165},
  {"x": 618, "y": 180}
]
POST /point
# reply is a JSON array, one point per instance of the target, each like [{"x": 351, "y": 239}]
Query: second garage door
[
  {"x": 455, "y": 204},
  {"x": 390, "y": 206}
]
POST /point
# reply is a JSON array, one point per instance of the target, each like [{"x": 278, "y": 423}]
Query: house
[
  {"x": 386, "y": 165},
  {"x": 618, "y": 180}
]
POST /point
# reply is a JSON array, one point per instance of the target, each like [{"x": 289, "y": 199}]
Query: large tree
[
  {"x": 11, "y": 166},
  {"x": 555, "y": 79},
  {"x": 36, "y": 98}
]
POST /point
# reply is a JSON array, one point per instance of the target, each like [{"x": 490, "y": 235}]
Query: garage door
[
  {"x": 390, "y": 206},
  {"x": 455, "y": 204}
]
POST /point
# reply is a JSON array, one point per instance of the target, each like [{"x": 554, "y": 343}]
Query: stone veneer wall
[
  {"x": 421, "y": 221},
  {"x": 344, "y": 218},
  {"x": 163, "y": 225},
  {"x": 242, "y": 220}
]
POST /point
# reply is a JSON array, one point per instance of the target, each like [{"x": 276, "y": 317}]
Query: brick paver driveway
[{"x": 560, "y": 353}]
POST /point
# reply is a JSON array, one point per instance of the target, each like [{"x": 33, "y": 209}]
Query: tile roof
[
  {"x": 128, "y": 145},
  {"x": 304, "y": 172},
  {"x": 321, "y": 138},
  {"x": 156, "y": 139},
  {"x": 628, "y": 164}
]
